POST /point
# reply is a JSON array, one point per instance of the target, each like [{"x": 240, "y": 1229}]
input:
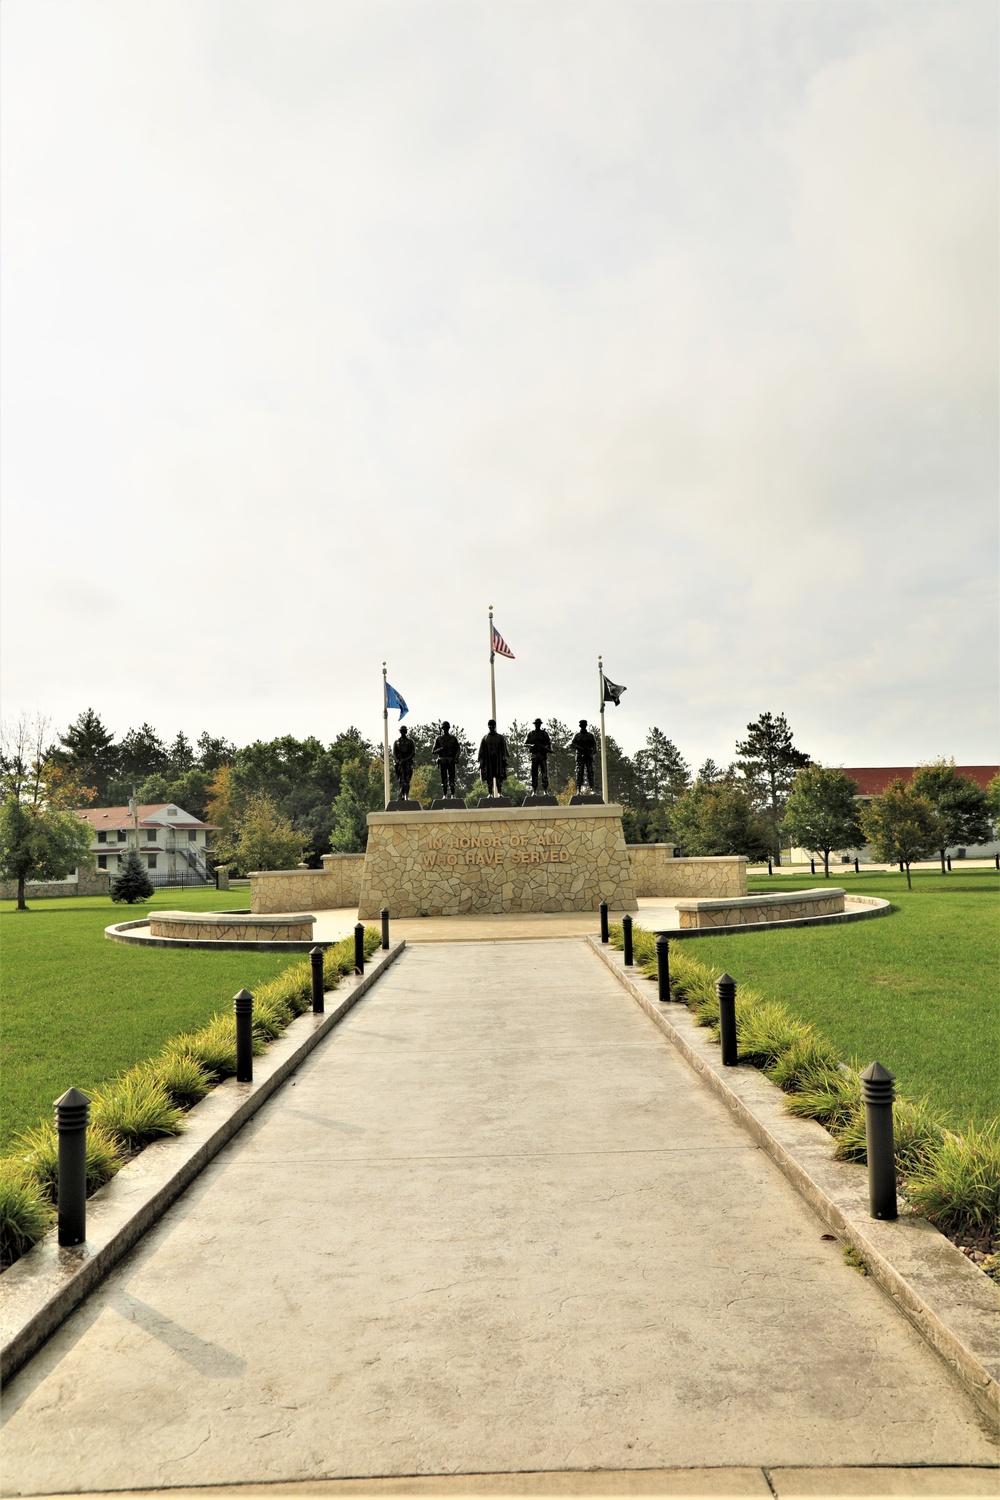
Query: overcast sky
[{"x": 668, "y": 328}]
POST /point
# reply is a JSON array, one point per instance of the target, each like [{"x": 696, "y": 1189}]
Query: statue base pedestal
[
  {"x": 496, "y": 859},
  {"x": 445, "y": 804},
  {"x": 403, "y": 804},
  {"x": 586, "y": 799},
  {"x": 495, "y": 802},
  {"x": 540, "y": 799}
]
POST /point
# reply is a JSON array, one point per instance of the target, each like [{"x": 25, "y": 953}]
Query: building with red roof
[{"x": 172, "y": 843}]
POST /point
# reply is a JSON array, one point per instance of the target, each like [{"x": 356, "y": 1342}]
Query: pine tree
[
  {"x": 664, "y": 771},
  {"x": 132, "y": 883},
  {"x": 89, "y": 751},
  {"x": 769, "y": 761}
]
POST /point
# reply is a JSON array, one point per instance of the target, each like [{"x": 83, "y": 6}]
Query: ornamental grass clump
[
  {"x": 182, "y": 1075},
  {"x": 25, "y": 1212},
  {"x": 958, "y": 1184},
  {"x": 135, "y": 1109},
  {"x": 36, "y": 1153}
]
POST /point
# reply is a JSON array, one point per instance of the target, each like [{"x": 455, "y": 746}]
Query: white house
[{"x": 170, "y": 841}]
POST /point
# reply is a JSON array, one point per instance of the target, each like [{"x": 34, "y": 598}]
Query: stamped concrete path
[{"x": 493, "y": 1225}]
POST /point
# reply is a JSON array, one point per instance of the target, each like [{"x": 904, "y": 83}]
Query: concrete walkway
[
  {"x": 494, "y": 1224},
  {"x": 655, "y": 913}
]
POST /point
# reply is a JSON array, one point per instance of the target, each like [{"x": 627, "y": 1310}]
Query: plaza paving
[{"x": 493, "y": 1226}]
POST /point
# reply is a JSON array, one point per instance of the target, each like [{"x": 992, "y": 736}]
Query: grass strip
[
  {"x": 148, "y": 1101},
  {"x": 951, "y": 1178}
]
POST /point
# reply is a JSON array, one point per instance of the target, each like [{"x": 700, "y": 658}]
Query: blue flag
[{"x": 395, "y": 700}]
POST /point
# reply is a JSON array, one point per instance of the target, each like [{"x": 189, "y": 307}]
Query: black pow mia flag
[{"x": 613, "y": 691}]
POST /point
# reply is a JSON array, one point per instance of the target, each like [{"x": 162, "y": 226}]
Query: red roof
[
  {"x": 873, "y": 780},
  {"x": 120, "y": 817}
]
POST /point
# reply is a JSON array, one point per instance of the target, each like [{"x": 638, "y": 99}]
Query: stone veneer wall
[
  {"x": 296, "y": 927},
  {"x": 521, "y": 859},
  {"x": 87, "y": 883},
  {"x": 782, "y": 906},
  {"x": 338, "y": 884},
  {"x": 656, "y": 873}
]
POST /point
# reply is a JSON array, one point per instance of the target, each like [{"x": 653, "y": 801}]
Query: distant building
[
  {"x": 873, "y": 780},
  {"x": 171, "y": 842}
]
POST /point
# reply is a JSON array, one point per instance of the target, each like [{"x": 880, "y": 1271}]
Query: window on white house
[
  {"x": 102, "y": 837},
  {"x": 150, "y": 835},
  {"x": 151, "y": 861},
  {"x": 121, "y": 835},
  {"x": 102, "y": 861},
  {"x": 192, "y": 835}
]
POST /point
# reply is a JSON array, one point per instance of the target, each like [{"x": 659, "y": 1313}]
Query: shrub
[
  {"x": 958, "y": 1183},
  {"x": 766, "y": 1030},
  {"x": 36, "y": 1151},
  {"x": 25, "y": 1212},
  {"x": 131, "y": 884},
  {"x": 182, "y": 1075},
  {"x": 135, "y": 1109}
]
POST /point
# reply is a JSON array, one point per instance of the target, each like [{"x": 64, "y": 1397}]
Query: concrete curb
[
  {"x": 950, "y": 1301},
  {"x": 42, "y": 1288}
]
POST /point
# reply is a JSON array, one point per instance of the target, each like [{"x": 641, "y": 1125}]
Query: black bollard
[
  {"x": 901, "y": 870},
  {"x": 663, "y": 967},
  {"x": 627, "y": 940},
  {"x": 812, "y": 867},
  {"x": 318, "y": 987},
  {"x": 385, "y": 927},
  {"x": 770, "y": 867},
  {"x": 878, "y": 1093},
  {"x": 725, "y": 988},
  {"x": 359, "y": 948},
  {"x": 243, "y": 1006},
  {"x": 604, "y": 921},
  {"x": 949, "y": 864},
  {"x": 857, "y": 868},
  {"x": 996, "y": 860},
  {"x": 72, "y": 1117}
]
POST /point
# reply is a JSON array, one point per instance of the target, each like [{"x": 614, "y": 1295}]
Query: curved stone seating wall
[
  {"x": 231, "y": 926},
  {"x": 338, "y": 884},
  {"x": 656, "y": 872},
  {"x": 744, "y": 911},
  {"x": 449, "y": 863}
]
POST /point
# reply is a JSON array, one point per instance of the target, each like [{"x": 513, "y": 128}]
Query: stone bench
[
  {"x": 232, "y": 926},
  {"x": 745, "y": 911}
]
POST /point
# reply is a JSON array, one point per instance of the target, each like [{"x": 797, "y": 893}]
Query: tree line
[{"x": 280, "y": 801}]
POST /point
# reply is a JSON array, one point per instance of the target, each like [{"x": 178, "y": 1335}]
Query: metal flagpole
[
  {"x": 493, "y": 680},
  {"x": 604, "y": 748},
  {"x": 385, "y": 736}
]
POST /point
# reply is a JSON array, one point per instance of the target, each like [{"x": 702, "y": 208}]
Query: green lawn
[
  {"x": 78, "y": 1008},
  {"x": 917, "y": 989}
]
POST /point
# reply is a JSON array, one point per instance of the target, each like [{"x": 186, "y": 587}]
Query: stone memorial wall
[{"x": 521, "y": 859}]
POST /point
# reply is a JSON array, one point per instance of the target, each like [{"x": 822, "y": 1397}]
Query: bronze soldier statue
[
  {"x": 493, "y": 760},
  {"x": 403, "y": 754},
  {"x": 540, "y": 745},
  {"x": 585, "y": 746},
  {"x": 445, "y": 752}
]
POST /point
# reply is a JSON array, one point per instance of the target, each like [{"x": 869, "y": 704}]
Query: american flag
[{"x": 500, "y": 646}]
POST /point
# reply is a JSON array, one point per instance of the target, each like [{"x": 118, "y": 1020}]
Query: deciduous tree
[
  {"x": 719, "y": 818},
  {"x": 961, "y": 805},
  {"x": 901, "y": 826},
  {"x": 821, "y": 812},
  {"x": 40, "y": 839}
]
